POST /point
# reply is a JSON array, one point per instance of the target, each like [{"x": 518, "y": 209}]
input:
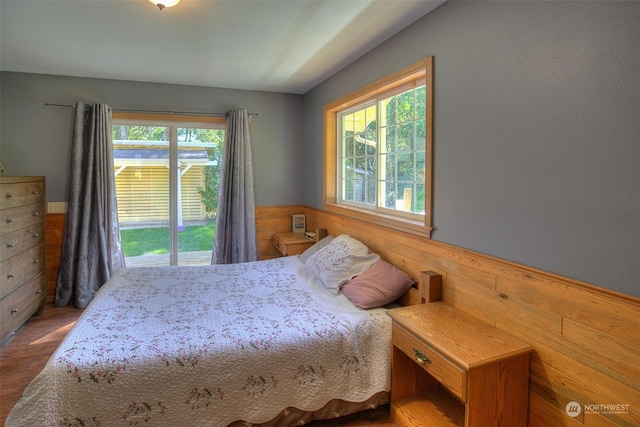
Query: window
[
  {"x": 167, "y": 170},
  {"x": 378, "y": 146}
]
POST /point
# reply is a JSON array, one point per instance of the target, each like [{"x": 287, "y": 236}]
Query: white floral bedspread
[{"x": 206, "y": 346}]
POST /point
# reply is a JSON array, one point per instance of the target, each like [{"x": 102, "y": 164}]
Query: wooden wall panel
[
  {"x": 54, "y": 231},
  {"x": 270, "y": 220},
  {"x": 586, "y": 339}
]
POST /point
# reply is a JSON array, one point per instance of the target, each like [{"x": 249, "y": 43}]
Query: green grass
[{"x": 155, "y": 240}]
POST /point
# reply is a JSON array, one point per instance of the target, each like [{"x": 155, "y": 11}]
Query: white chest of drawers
[{"x": 23, "y": 285}]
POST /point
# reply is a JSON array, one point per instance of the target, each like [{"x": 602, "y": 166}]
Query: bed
[{"x": 275, "y": 342}]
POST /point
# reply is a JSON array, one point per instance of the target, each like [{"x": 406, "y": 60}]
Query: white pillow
[
  {"x": 315, "y": 248},
  {"x": 340, "y": 261}
]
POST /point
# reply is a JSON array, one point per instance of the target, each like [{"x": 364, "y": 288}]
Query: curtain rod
[{"x": 188, "y": 113}]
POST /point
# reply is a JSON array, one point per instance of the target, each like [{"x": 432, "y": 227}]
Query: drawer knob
[
  {"x": 9, "y": 196},
  {"x": 14, "y": 311},
  {"x": 39, "y": 291},
  {"x": 36, "y": 235},
  {"x": 421, "y": 358},
  {"x": 36, "y": 213},
  {"x": 10, "y": 245},
  {"x": 36, "y": 261},
  {"x": 10, "y": 220},
  {"x": 10, "y": 276},
  {"x": 34, "y": 192}
]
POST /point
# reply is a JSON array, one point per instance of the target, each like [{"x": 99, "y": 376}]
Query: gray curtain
[
  {"x": 91, "y": 250},
  {"x": 235, "y": 238}
]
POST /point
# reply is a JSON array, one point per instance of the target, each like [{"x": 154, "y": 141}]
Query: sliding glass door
[{"x": 166, "y": 185}]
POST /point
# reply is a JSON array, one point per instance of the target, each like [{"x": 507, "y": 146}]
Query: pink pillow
[{"x": 380, "y": 284}]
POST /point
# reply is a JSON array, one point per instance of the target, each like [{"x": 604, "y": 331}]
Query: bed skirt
[{"x": 334, "y": 409}]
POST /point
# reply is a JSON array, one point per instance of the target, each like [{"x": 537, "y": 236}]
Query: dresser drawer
[
  {"x": 18, "y": 217},
  {"x": 443, "y": 370},
  {"x": 22, "y": 193},
  {"x": 16, "y": 270},
  {"x": 19, "y": 241},
  {"x": 19, "y": 305}
]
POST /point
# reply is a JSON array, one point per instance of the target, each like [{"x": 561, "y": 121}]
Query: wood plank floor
[{"x": 27, "y": 352}]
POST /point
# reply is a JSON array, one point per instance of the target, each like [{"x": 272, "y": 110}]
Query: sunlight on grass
[{"x": 155, "y": 240}]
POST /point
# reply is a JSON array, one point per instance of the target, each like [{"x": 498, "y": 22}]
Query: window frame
[
  {"x": 420, "y": 70},
  {"x": 173, "y": 122}
]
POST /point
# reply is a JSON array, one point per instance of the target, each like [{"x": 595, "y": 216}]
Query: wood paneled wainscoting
[
  {"x": 54, "y": 232},
  {"x": 585, "y": 338}
]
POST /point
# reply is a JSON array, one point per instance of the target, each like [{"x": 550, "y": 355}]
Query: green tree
[{"x": 209, "y": 192}]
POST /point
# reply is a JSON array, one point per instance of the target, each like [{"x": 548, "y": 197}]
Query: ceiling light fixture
[{"x": 164, "y": 3}]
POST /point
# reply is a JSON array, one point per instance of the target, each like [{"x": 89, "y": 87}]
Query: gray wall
[
  {"x": 536, "y": 131},
  {"x": 35, "y": 140},
  {"x": 537, "y": 151}
]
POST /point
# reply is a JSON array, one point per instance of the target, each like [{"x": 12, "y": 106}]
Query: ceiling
[{"x": 272, "y": 45}]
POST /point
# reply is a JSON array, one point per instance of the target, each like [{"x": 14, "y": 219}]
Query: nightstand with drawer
[
  {"x": 296, "y": 243},
  {"x": 451, "y": 369},
  {"x": 291, "y": 243}
]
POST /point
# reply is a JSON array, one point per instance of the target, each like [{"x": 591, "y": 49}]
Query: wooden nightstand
[
  {"x": 451, "y": 369},
  {"x": 291, "y": 243}
]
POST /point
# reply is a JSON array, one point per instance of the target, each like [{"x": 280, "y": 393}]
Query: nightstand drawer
[
  {"x": 279, "y": 244},
  {"x": 443, "y": 370},
  {"x": 291, "y": 243}
]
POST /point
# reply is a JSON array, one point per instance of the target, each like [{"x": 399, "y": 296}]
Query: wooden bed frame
[{"x": 427, "y": 288}]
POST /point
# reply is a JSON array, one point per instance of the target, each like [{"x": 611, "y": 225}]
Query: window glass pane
[
  {"x": 420, "y": 198},
  {"x": 406, "y": 137},
  {"x": 404, "y": 133},
  {"x": 371, "y": 166},
  {"x": 349, "y": 192},
  {"x": 421, "y": 100},
  {"x": 390, "y": 139},
  {"x": 199, "y": 161},
  {"x": 141, "y": 161},
  {"x": 359, "y": 154},
  {"x": 349, "y": 168},
  {"x": 389, "y": 108},
  {"x": 361, "y": 169},
  {"x": 370, "y": 198},
  {"x": 421, "y": 133},
  {"x": 396, "y": 139},
  {"x": 405, "y": 106},
  {"x": 405, "y": 167},
  {"x": 420, "y": 168},
  {"x": 143, "y": 181},
  {"x": 358, "y": 190},
  {"x": 390, "y": 167},
  {"x": 405, "y": 197},
  {"x": 389, "y": 195},
  {"x": 348, "y": 146}
]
